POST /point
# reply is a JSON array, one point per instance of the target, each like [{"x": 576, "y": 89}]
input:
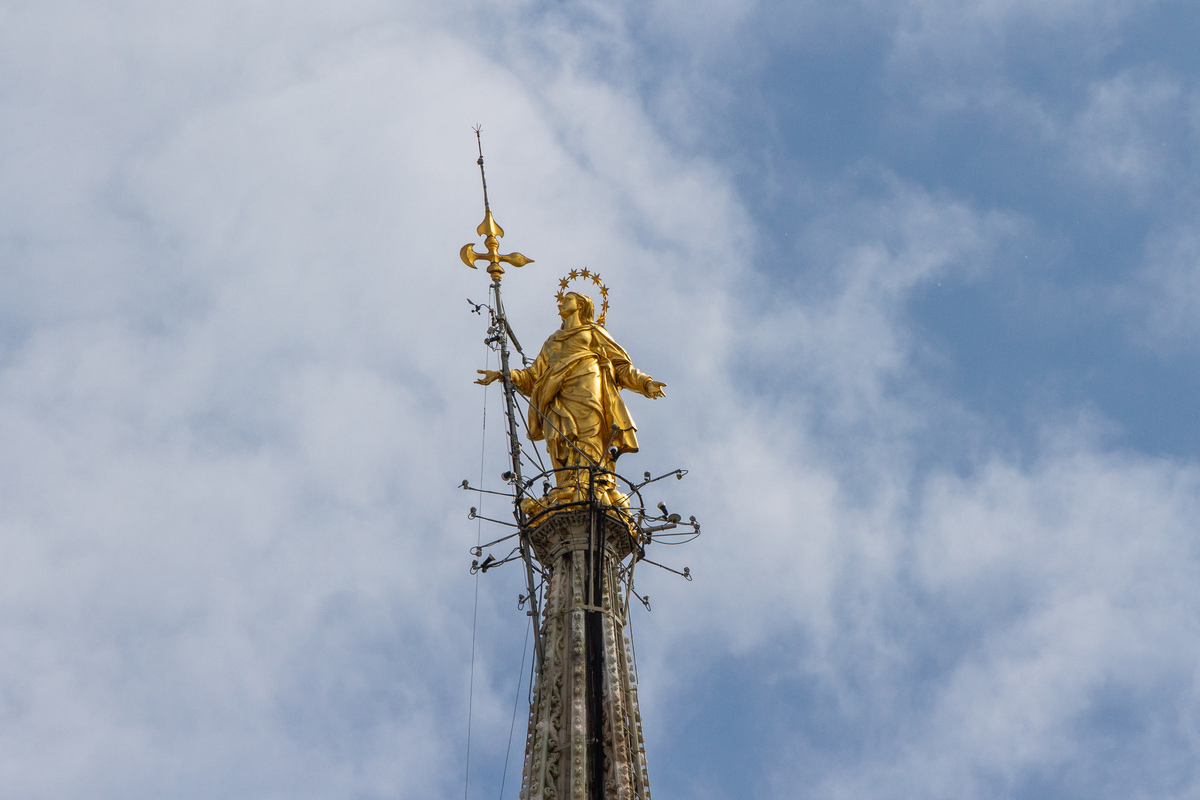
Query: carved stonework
[{"x": 561, "y": 745}]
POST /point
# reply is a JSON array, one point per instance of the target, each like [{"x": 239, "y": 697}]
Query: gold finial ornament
[
  {"x": 492, "y": 232},
  {"x": 594, "y": 277},
  {"x": 489, "y": 229}
]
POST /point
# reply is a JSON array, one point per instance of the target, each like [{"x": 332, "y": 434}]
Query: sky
[{"x": 922, "y": 278}]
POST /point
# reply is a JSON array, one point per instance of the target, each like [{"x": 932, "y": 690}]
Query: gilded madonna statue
[{"x": 574, "y": 390}]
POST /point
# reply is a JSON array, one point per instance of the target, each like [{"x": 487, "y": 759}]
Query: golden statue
[{"x": 574, "y": 390}]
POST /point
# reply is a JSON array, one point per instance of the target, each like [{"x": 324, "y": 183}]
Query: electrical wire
[
  {"x": 525, "y": 425},
  {"x": 516, "y": 702},
  {"x": 475, "y": 611},
  {"x": 629, "y": 625}
]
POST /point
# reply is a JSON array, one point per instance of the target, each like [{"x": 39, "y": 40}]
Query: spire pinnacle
[{"x": 491, "y": 231}]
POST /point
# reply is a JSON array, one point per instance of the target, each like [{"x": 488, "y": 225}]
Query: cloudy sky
[{"x": 922, "y": 277}]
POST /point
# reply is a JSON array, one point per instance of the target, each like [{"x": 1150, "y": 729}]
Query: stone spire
[
  {"x": 585, "y": 729},
  {"x": 580, "y": 540}
]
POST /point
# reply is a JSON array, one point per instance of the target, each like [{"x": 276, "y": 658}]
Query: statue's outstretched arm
[
  {"x": 520, "y": 378},
  {"x": 630, "y": 377}
]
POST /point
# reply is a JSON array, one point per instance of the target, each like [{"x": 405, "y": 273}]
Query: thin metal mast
[{"x": 500, "y": 336}]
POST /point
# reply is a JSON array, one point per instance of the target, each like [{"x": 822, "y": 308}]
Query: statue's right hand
[{"x": 489, "y": 376}]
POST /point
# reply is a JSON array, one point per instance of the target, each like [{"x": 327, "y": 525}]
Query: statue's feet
[
  {"x": 566, "y": 495},
  {"x": 556, "y": 497}
]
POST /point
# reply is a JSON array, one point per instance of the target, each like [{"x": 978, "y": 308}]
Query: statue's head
[{"x": 587, "y": 309}]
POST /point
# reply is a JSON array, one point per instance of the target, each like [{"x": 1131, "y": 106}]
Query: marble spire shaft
[{"x": 585, "y": 731}]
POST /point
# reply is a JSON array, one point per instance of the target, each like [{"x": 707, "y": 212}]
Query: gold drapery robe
[{"x": 574, "y": 390}]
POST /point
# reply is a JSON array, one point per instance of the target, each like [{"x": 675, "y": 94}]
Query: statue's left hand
[{"x": 654, "y": 389}]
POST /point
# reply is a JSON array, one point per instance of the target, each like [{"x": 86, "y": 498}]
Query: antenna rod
[
  {"x": 514, "y": 452},
  {"x": 479, "y": 141},
  {"x": 502, "y": 335}
]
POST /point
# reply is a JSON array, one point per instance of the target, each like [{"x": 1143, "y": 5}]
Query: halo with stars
[{"x": 594, "y": 277}]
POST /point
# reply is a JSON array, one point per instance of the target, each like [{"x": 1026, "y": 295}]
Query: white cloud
[
  {"x": 235, "y": 386},
  {"x": 1165, "y": 299},
  {"x": 977, "y": 625},
  {"x": 842, "y": 331},
  {"x": 1126, "y": 134},
  {"x": 1070, "y": 587},
  {"x": 234, "y": 392},
  {"x": 951, "y": 51}
]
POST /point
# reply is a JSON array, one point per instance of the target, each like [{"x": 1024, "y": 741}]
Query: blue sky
[{"x": 922, "y": 277}]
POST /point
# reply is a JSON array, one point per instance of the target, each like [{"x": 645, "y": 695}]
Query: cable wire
[
  {"x": 632, "y": 646},
  {"x": 475, "y": 611},
  {"x": 516, "y": 702},
  {"x": 525, "y": 425}
]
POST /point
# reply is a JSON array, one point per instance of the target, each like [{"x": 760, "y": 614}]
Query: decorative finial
[{"x": 490, "y": 231}]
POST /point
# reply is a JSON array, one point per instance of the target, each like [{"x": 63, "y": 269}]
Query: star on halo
[{"x": 586, "y": 274}]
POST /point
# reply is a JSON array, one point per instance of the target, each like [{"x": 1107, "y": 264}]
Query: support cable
[
  {"x": 632, "y": 646},
  {"x": 516, "y": 703},
  {"x": 536, "y": 452},
  {"x": 546, "y": 420},
  {"x": 475, "y": 611}
]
